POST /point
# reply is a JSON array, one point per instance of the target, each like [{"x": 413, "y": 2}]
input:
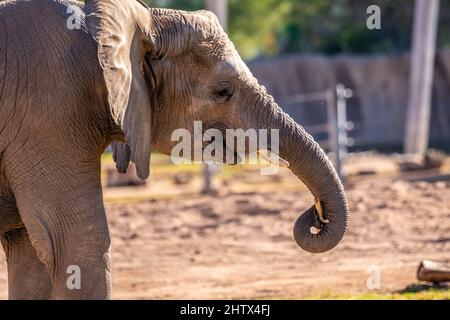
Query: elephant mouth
[
  {"x": 223, "y": 154},
  {"x": 223, "y": 149},
  {"x": 232, "y": 153}
]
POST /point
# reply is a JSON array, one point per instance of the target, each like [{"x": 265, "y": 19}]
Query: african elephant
[{"x": 129, "y": 75}]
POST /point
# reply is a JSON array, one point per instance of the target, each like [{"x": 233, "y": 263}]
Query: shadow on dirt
[{"x": 416, "y": 288}]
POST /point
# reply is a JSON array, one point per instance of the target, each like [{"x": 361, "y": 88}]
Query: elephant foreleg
[
  {"x": 28, "y": 278},
  {"x": 64, "y": 216}
]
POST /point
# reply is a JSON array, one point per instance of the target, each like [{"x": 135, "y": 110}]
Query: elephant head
[{"x": 165, "y": 69}]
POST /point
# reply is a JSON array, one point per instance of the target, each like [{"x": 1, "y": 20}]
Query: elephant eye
[{"x": 224, "y": 91}]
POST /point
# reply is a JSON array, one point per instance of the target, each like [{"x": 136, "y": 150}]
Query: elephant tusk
[
  {"x": 319, "y": 211},
  {"x": 272, "y": 158}
]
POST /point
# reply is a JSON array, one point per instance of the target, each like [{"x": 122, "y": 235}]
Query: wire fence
[{"x": 336, "y": 128}]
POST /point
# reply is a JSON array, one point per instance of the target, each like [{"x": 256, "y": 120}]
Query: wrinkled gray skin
[{"x": 131, "y": 74}]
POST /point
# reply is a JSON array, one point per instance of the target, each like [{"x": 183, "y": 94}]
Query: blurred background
[{"x": 376, "y": 99}]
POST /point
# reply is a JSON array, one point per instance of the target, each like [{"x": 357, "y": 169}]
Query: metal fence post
[
  {"x": 421, "y": 76},
  {"x": 342, "y": 95},
  {"x": 338, "y": 126},
  {"x": 209, "y": 169},
  {"x": 220, "y": 8},
  {"x": 333, "y": 130}
]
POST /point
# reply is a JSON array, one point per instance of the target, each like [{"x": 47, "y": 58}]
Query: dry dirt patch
[{"x": 240, "y": 245}]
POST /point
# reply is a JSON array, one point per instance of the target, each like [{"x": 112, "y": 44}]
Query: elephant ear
[
  {"x": 121, "y": 156},
  {"x": 122, "y": 29}
]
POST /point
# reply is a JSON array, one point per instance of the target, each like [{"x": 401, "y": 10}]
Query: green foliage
[
  {"x": 255, "y": 25},
  {"x": 178, "y": 4},
  {"x": 340, "y": 26}
]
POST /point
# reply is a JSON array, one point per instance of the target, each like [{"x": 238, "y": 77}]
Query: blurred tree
[
  {"x": 255, "y": 25},
  {"x": 340, "y": 26},
  {"x": 178, "y": 4},
  {"x": 252, "y": 23}
]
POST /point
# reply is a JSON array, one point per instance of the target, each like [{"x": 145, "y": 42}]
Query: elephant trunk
[{"x": 314, "y": 231}]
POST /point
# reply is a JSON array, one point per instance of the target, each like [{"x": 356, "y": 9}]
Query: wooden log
[{"x": 435, "y": 272}]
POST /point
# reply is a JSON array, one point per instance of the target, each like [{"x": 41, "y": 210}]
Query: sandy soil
[{"x": 240, "y": 245}]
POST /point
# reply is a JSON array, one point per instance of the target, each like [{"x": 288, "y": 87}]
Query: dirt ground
[{"x": 239, "y": 244}]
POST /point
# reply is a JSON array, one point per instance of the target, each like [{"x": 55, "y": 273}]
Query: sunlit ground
[{"x": 171, "y": 242}]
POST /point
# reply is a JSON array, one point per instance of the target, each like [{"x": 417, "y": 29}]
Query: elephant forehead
[
  {"x": 228, "y": 65},
  {"x": 214, "y": 40},
  {"x": 214, "y": 46},
  {"x": 234, "y": 65}
]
